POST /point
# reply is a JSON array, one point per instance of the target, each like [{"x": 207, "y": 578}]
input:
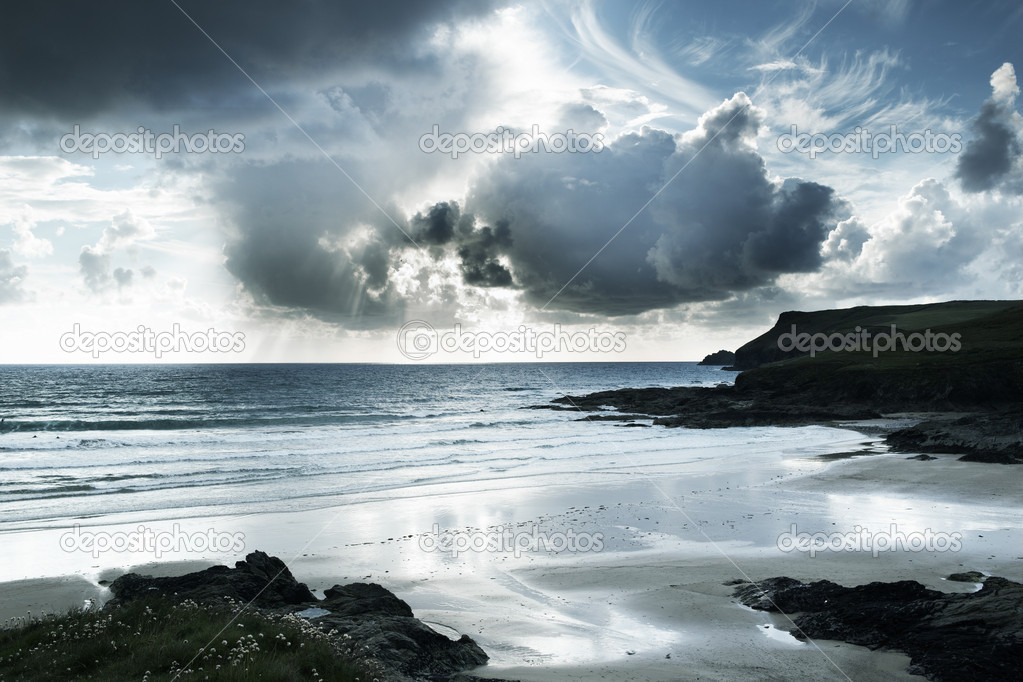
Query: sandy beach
[
  {"x": 647, "y": 599},
  {"x": 567, "y": 340}
]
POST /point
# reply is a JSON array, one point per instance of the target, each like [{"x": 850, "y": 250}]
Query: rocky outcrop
[
  {"x": 722, "y": 357},
  {"x": 373, "y": 615},
  {"x": 982, "y": 382},
  {"x": 948, "y": 637},
  {"x": 704, "y": 408},
  {"x": 262, "y": 580},
  {"x": 370, "y": 614},
  {"x": 993, "y": 437}
]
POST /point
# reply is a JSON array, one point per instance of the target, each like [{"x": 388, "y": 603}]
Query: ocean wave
[
  {"x": 164, "y": 424},
  {"x": 87, "y": 443},
  {"x": 45, "y": 492}
]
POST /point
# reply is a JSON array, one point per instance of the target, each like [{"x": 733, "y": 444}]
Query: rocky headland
[{"x": 968, "y": 398}]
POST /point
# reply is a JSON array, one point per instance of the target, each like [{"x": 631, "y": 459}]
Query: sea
[{"x": 164, "y": 441}]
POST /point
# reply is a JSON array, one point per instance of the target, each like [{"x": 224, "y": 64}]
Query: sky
[{"x": 488, "y": 181}]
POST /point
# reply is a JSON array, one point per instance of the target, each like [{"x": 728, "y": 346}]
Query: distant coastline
[{"x": 967, "y": 402}]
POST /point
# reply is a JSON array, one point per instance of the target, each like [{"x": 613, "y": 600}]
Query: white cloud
[
  {"x": 625, "y": 66},
  {"x": 936, "y": 243},
  {"x": 1003, "y": 83},
  {"x": 124, "y": 231},
  {"x": 12, "y": 276},
  {"x": 26, "y": 243}
]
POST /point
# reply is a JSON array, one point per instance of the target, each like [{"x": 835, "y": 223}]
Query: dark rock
[
  {"x": 697, "y": 407},
  {"x": 261, "y": 579},
  {"x": 948, "y": 637},
  {"x": 923, "y": 458},
  {"x": 361, "y": 598},
  {"x": 369, "y": 613},
  {"x": 614, "y": 417},
  {"x": 408, "y": 645},
  {"x": 722, "y": 357},
  {"x": 374, "y": 616},
  {"x": 968, "y": 577},
  {"x": 993, "y": 437}
]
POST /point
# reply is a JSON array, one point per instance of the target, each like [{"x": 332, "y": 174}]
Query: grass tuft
[{"x": 162, "y": 640}]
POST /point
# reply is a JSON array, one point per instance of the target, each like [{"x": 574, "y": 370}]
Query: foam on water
[{"x": 90, "y": 441}]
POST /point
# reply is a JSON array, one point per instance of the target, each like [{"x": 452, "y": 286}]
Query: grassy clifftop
[
  {"x": 987, "y": 368},
  {"x": 959, "y": 315}
]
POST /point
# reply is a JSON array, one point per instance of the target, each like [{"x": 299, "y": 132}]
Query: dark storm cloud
[
  {"x": 477, "y": 248},
  {"x": 994, "y": 155},
  {"x": 306, "y": 241},
  {"x": 80, "y": 58},
  {"x": 720, "y": 227},
  {"x": 799, "y": 218},
  {"x": 437, "y": 227},
  {"x": 301, "y": 239},
  {"x": 479, "y": 251}
]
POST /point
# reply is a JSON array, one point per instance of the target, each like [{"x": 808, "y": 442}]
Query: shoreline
[{"x": 656, "y": 587}]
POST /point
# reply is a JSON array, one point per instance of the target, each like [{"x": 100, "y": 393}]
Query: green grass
[
  {"x": 162, "y": 640},
  {"x": 989, "y": 366},
  {"x": 980, "y": 323}
]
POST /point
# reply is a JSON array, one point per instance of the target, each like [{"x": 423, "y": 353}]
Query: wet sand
[{"x": 647, "y": 599}]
